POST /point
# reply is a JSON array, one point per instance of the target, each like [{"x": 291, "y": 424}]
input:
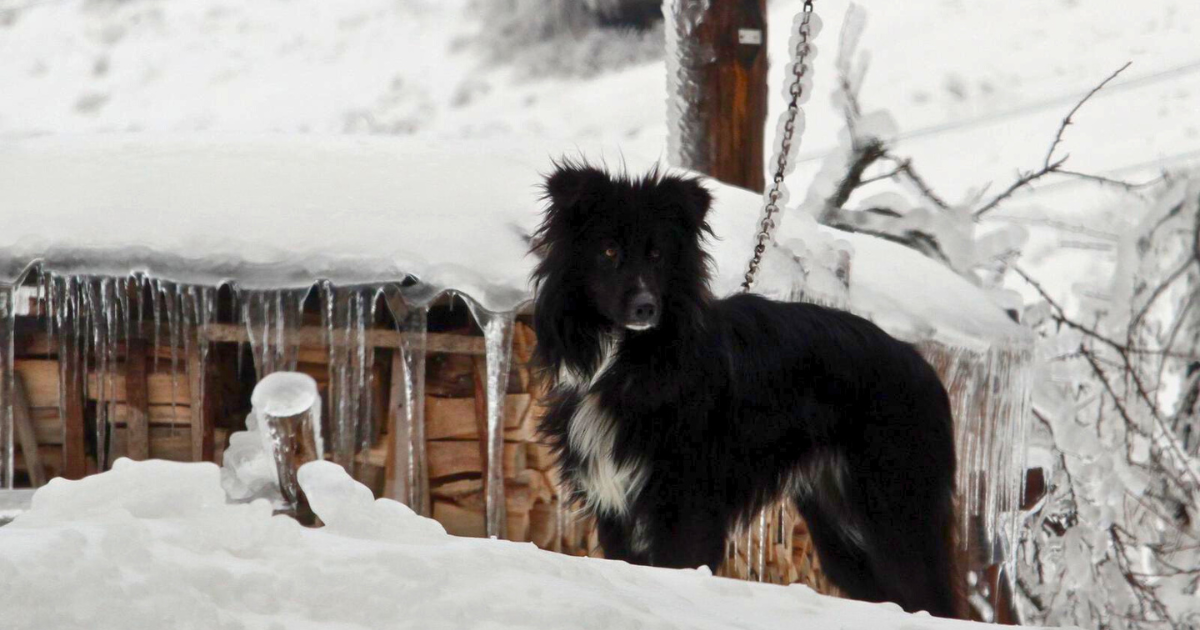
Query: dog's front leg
[
  {"x": 617, "y": 539},
  {"x": 687, "y": 537}
]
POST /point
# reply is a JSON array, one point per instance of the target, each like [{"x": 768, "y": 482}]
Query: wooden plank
[
  {"x": 455, "y": 418},
  {"x": 161, "y": 388},
  {"x": 172, "y": 443},
  {"x": 448, "y": 458},
  {"x": 137, "y": 405},
  {"x": 166, "y": 415},
  {"x": 26, "y": 434},
  {"x": 377, "y": 337}
]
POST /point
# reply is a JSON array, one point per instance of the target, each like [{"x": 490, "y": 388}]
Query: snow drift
[{"x": 156, "y": 544}]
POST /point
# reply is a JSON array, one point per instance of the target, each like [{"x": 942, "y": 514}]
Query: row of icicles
[{"x": 90, "y": 318}]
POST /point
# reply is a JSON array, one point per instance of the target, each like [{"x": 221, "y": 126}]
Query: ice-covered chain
[{"x": 799, "y": 67}]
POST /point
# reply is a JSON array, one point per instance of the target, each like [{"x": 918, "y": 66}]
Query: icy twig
[
  {"x": 1067, "y": 120},
  {"x": 1049, "y": 165}
]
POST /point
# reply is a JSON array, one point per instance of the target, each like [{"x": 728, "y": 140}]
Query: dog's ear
[
  {"x": 690, "y": 197},
  {"x": 571, "y": 185}
]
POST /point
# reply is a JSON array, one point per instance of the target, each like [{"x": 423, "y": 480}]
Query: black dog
[{"x": 677, "y": 416}]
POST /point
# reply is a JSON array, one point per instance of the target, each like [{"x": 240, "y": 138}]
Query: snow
[
  {"x": 284, "y": 394},
  {"x": 13, "y": 502},
  {"x": 286, "y": 211},
  {"x": 155, "y": 544},
  {"x": 248, "y": 466}
]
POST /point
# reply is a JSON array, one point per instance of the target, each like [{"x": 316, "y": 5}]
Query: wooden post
[
  {"x": 74, "y": 457},
  {"x": 397, "y": 479},
  {"x": 202, "y": 406},
  {"x": 719, "y": 88},
  {"x": 137, "y": 401}
]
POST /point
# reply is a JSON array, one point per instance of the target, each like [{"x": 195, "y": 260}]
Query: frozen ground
[{"x": 155, "y": 545}]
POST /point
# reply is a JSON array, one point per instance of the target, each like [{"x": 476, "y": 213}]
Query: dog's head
[{"x": 630, "y": 248}]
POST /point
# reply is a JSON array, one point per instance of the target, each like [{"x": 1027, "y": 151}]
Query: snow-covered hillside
[{"x": 154, "y": 545}]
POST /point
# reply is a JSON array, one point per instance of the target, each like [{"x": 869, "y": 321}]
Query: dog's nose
[{"x": 643, "y": 310}]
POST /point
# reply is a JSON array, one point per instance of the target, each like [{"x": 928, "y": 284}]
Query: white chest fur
[{"x": 592, "y": 433}]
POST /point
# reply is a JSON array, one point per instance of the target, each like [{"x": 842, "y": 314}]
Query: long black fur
[{"x": 727, "y": 405}]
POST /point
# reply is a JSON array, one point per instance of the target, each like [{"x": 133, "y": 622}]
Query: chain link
[{"x": 789, "y": 130}]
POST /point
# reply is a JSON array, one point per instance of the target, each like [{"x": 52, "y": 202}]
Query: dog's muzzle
[{"x": 643, "y": 311}]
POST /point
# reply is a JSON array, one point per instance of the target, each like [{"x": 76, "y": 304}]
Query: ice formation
[
  {"x": 288, "y": 406},
  {"x": 156, "y": 544},
  {"x": 248, "y": 469},
  {"x": 391, "y": 221}
]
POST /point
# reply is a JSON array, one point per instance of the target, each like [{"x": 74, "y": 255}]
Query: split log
[
  {"x": 161, "y": 388},
  {"x": 455, "y": 418},
  {"x": 447, "y": 458},
  {"x": 170, "y": 443},
  {"x": 540, "y": 456},
  {"x": 47, "y": 425},
  {"x": 41, "y": 381}
]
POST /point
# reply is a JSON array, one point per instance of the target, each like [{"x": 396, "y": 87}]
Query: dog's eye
[
  {"x": 654, "y": 254},
  {"x": 611, "y": 252}
]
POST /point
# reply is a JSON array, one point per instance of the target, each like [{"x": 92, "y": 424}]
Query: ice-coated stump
[{"x": 288, "y": 404}]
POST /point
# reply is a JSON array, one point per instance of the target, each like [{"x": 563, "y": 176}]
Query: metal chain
[{"x": 789, "y": 130}]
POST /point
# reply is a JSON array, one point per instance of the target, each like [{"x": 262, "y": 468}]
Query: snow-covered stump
[{"x": 289, "y": 406}]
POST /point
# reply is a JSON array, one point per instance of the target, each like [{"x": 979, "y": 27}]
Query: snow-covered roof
[{"x": 285, "y": 211}]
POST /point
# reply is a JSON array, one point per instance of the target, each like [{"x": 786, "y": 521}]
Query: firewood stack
[
  {"x": 152, "y": 410},
  {"x": 455, "y": 416},
  {"x": 152, "y": 414}
]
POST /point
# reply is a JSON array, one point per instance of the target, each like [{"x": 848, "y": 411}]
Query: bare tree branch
[
  {"x": 1067, "y": 120},
  {"x": 1050, "y": 165}
]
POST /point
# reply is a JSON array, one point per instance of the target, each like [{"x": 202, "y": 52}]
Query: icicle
[
  {"x": 686, "y": 63},
  {"x": 338, "y": 306},
  {"x": 64, "y": 355},
  {"x": 498, "y": 334},
  {"x": 749, "y": 549},
  {"x": 107, "y": 380},
  {"x": 172, "y": 307},
  {"x": 8, "y": 319},
  {"x": 410, "y": 483},
  {"x": 990, "y": 394},
  {"x": 156, "y": 303},
  {"x": 763, "y": 539}
]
